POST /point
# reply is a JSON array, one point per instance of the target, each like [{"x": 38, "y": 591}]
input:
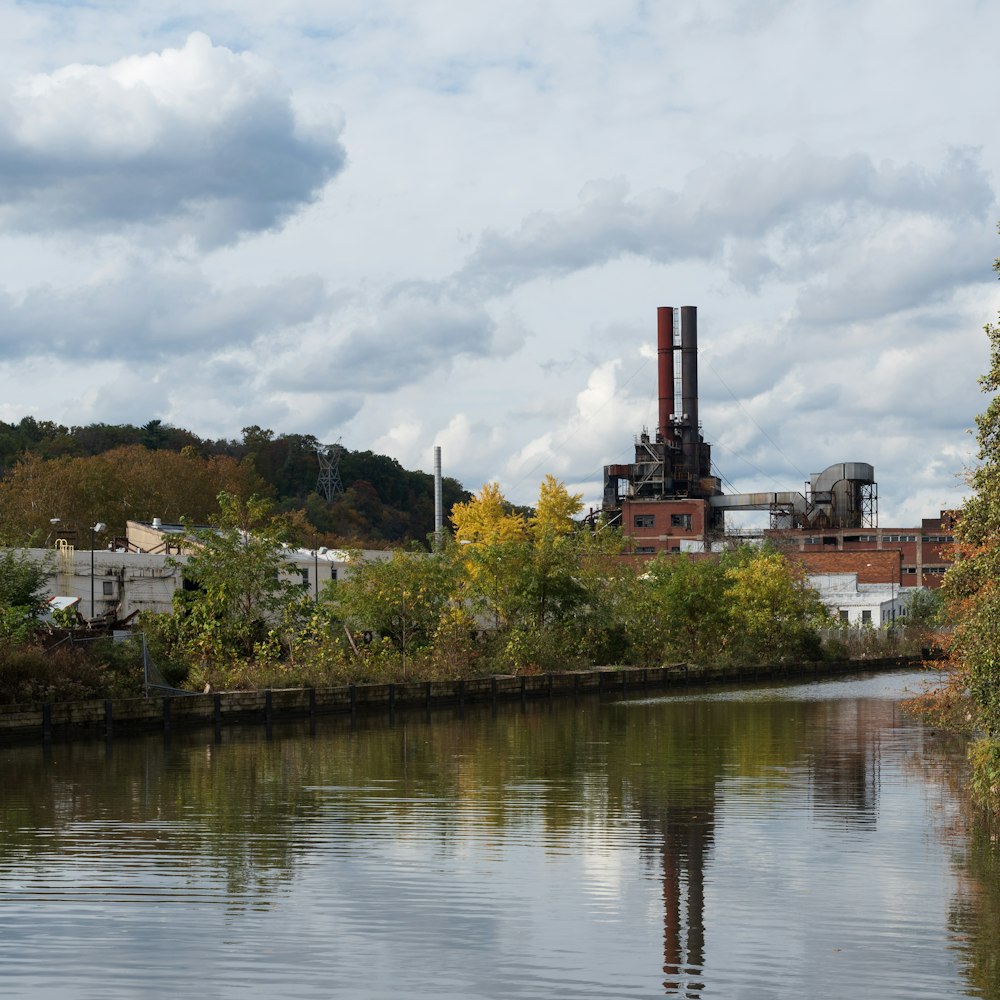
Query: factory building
[{"x": 669, "y": 501}]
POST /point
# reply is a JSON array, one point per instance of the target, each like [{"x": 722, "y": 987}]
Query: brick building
[{"x": 904, "y": 557}]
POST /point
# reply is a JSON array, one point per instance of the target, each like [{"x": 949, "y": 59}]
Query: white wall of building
[
  {"x": 126, "y": 582},
  {"x": 858, "y": 604}
]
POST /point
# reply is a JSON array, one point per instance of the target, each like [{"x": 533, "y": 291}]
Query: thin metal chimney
[
  {"x": 689, "y": 385},
  {"x": 438, "y": 502},
  {"x": 665, "y": 371}
]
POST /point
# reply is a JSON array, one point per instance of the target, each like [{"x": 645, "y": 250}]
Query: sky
[{"x": 409, "y": 223}]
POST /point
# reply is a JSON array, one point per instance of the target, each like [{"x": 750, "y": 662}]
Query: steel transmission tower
[{"x": 328, "y": 484}]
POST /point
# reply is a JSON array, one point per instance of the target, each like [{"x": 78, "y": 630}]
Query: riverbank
[{"x": 72, "y": 719}]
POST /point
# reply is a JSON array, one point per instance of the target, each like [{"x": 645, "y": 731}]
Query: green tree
[
  {"x": 403, "y": 598},
  {"x": 679, "y": 611},
  {"x": 771, "y": 611},
  {"x": 22, "y": 594},
  {"x": 972, "y": 588},
  {"x": 242, "y": 588}
]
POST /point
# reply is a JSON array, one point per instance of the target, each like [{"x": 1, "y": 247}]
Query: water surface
[{"x": 774, "y": 841}]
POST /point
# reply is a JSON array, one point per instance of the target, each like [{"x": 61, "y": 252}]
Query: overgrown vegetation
[
  {"x": 22, "y": 596},
  {"x": 969, "y": 699},
  {"x": 99, "y": 668},
  {"x": 512, "y": 590},
  {"x": 508, "y": 593}
]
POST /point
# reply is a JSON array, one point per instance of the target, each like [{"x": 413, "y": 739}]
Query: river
[{"x": 780, "y": 840}]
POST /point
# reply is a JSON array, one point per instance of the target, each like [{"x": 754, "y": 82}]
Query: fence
[{"x": 168, "y": 711}]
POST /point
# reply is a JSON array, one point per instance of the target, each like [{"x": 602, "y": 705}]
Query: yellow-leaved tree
[
  {"x": 487, "y": 519},
  {"x": 557, "y": 509}
]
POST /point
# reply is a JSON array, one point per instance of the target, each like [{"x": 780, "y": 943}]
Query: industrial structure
[{"x": 669, "y": 499}]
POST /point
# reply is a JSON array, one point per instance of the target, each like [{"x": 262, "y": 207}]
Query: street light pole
[
  {"x": 321, "y": 551},
  {"x": 94, "y": 530}
]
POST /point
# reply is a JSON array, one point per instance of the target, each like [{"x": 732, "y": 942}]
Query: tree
[
  {"x": 487, "y": 518},
  {"x": 679, "y": 611},
  {"x": 772, "y": 612},
  {"x": 22, "y": 594},
  {"x": 556, "y": 510},
  {"x": 402, "y": 598},
  {"x": 242, "y": 588},
  {"x": 972, "y": 589},
  {"x": 125, "y": 483}
]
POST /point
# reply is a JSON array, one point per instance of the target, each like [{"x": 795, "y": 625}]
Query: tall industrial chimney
[
  {"x": 438, "y": 503},
  {"x": 689, "y": 385},
  {"x": 665, "y": 372}
]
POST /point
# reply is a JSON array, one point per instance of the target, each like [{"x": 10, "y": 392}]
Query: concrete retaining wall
[{"x": 67, "y": 719}]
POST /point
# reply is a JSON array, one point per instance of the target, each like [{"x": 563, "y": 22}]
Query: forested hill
[{"x": 108, "y": 472}]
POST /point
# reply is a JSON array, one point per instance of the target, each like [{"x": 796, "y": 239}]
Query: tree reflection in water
[{"x": 246, "y": 809}]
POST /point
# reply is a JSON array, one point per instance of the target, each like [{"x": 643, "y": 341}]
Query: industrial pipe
[
  {"x": 665, "y": 372},
  {"x": 689, "y": 386}
]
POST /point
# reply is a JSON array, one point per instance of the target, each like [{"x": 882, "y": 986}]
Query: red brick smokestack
[{"x": 665, "y": 371}]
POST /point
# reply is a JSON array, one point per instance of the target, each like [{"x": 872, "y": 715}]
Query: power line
[{"x": 754, "y": 422}]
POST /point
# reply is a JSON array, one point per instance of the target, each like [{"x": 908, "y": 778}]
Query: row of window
[
  {"x": 866, "y": 615},
  {"x": 305, "y": 574},
  {"x": 649, "y": 520},
  {"x": 819, "y": 540}
]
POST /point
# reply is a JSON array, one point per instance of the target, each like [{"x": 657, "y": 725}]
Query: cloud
[
  {"x": 200, "y": 140},
  {"x": 782, "y": 218},
  {"x": 149, "y": 313},
  {"x": 412, "y": 332}
]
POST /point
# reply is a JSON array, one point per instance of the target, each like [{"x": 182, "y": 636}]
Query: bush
[
  {"x": 984, "y": 756},
  {"x": 28, "y": 674}
]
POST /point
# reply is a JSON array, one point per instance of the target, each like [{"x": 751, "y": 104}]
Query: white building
[
  {"x": 123, "y": 582},
  {"x": 146, "y": 572},
  {"x": 856, "y": 603}
]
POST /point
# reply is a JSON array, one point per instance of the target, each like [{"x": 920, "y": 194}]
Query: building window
[
  {"x": 680, "y": 520},
  {"x": 644, "y": 520},
  {"x": 866, "y": 617},
  {"x": 845, "y": 615},
  {"x": 645, "y": 550},
  {"x": 940, "y": 539},
  {"x": 108, "y": 588},
  {"x": 909, "y": 569}
]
